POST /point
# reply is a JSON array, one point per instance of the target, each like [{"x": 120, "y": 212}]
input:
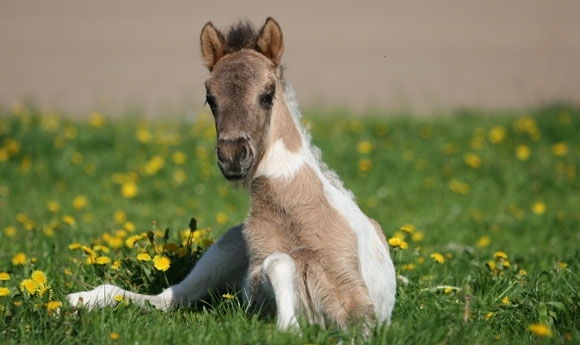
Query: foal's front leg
[
  {"x": 279, "y": 276},
  {"x": 223, "y": 266}
]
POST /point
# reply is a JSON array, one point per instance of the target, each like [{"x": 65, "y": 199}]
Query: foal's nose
[{"x": 232, "y": 151}]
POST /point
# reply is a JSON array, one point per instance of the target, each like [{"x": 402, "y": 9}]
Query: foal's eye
[
  {"x": 210, "y": 100},
  {"x": 267, "y": 99}
]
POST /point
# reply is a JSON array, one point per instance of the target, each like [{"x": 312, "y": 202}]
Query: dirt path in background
[{"x": 427, "y": 56}]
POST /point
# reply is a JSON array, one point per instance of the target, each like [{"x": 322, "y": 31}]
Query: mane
[
  {"x": 292, "y": 103},
  {"x": 241, "y": 36}
]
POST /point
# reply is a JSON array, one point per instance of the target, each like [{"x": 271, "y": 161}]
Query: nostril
[
  {"x": 219, "y": 154},
  {"x": 244, "y": 153}
]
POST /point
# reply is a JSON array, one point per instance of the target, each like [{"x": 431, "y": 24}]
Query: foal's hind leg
[
  {"x": 279, "y": 276},
  {"x": 222, "y": 267}
]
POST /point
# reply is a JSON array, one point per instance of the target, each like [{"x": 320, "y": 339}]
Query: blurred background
[{"x": 422, "y": 56}]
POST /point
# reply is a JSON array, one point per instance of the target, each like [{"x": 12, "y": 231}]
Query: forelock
[{"x": 241, "y": 36}]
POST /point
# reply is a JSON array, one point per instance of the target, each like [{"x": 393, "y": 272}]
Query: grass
[{"x": 481, "y": 211}]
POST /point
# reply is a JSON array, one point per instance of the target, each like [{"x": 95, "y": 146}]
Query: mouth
[
  {"x": 234, "y": 176},
  {"x": 236, "y": 173}
]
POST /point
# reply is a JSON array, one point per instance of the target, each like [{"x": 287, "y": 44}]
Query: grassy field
[{"x": 482, "y": 212}]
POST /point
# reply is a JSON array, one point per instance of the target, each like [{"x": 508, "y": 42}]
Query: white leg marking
[{"x": 279, "y": 273}]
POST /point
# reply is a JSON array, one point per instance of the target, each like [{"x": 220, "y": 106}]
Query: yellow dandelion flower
[
  {"x": 77, "y": 158},
  {"x": 408, "y": 267},
  {"x": 523, "y": 152},
  {"x": 129, "y": 189},
  {"x": 497, "y": 134},
  {"x": 42, "y": 289},
  {"x": 408, "y": 228},
  {"x": 4, "y": 291},
  {"x": 560, "y": 149},
  {"x": 483, "y": 242},
  {"x": 356, "y": 126},
  {"x": 397, "y": 242},
  {"x": 120, "y": 216},
  {"x": 181, "y": 252},
  {"x": 143, "y": 135},
  {"x": 144, "y": 257},
  {"x": 130, "y": 241},
  {"x": 114, "y": 336},
  {"x": 88, "y": 250},
  {"x": 523, "y": 272},
  {"x": 459, "y": 187},
  {"x": 540, "y": 330},
  {"x": 38, "y": 277},
  {"x": 562, "y": 264},
  {"x": 96, "y": 119},
  {"x": 179, "y": 176},
  {"x": 102, "y": 260},
  {"x": 538, "y": 208},
  {"x": 53, "y": 206},
  {"x": 90, "y": 259},
  {"x": 4, "y": 276},
  {"x": 505, "y": 263},
  {"x": 525, "y": 124},
  {"x": 228, "y": 296},
  {"x": 19, "y": 259},
  {"x": 68, "y": 219},
  {"x": 500, "y": 255},
  {"x": 364, "y": 165},
  {"x": 438, "y": 258},
  {"x": 129, "y": 226},
  {"x": 153, "y": 166},
  {"x": 178, "y": 157},
  {"x": 28, "y": 286},
  {"x": 221, "y": 218},
  {"x": 488, "y": 316},
  {"x": 80, "y": 202},
  {"x": 75, "y": 246},
  {"x": 114, "y": 241},
  {"x": 491, "y": 265},
  {"x": 208, "y": 242},
  {"x": 53, "y": 305},
  {"x": 118, "y": 298},
  {"x": 364, "y": 147},
  {"x": 417, "y": 236},
  {"x": 505, "y": 300},
  {"x": 198, "y": 235},
  {"x": 472, "y": 160},
  {"x": 161, "y": 262},
  {"x": 116, "y": 264},
  {"x": 10, "y": 231}
]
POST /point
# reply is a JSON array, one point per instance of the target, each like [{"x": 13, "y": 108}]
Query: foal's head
[{"x": 242, "y": 91}]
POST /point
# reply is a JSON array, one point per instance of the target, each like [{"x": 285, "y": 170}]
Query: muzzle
[{"x": 235, "y": 158}]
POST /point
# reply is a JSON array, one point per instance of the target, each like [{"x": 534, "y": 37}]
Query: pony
[{"x": 305, "y": 251}]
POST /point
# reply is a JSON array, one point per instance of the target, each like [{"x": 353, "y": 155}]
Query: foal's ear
[
  {"x": 212, "y": 45},
  {"x": 269, "y": 41}
]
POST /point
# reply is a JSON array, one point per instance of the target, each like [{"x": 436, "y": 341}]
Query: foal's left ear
[
  {"x": 270, "y": 43},
  {"x": 213, "y": 45}
]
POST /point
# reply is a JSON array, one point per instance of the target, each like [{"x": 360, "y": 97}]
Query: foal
[{"x": 305, "y": 249}]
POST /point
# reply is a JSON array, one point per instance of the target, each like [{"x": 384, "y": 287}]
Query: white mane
[{"x": 293, "y": 106}]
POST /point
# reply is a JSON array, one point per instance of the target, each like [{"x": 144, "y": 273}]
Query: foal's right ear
[{"x": 212, "y": 45}]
